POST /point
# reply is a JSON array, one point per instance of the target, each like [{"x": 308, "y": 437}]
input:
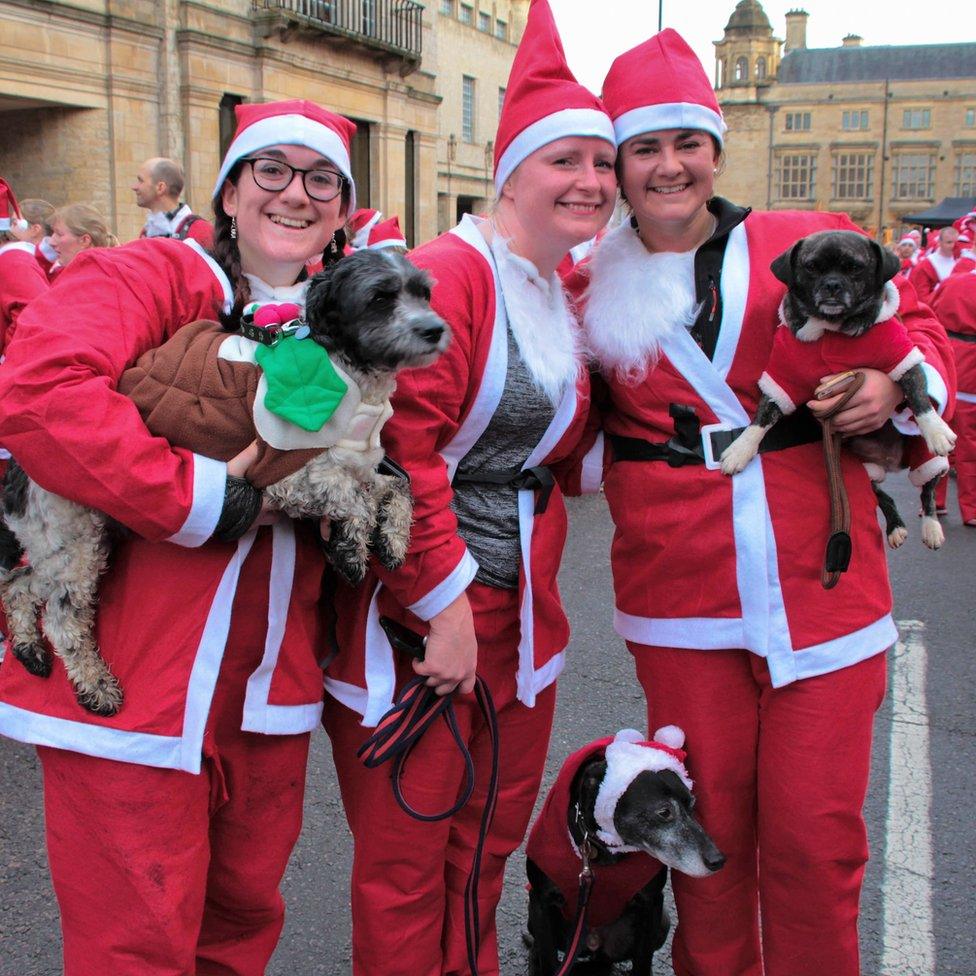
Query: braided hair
[{"x": 227, "y": 254}]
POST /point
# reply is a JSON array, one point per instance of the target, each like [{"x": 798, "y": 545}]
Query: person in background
[
  {"x": 76, "y": 228},
  {"x": 169, "y": 824},
  {"x": 908, "y": 255},
  {"x": 934, "y": 268},
  {"x": 387, "y": 234},
  {"x": 477, "y": 431},
  {"x": 774, "y": 679},
  {"x": 21, "y": 277},
  {"x": 158, "y": 186},
  {"x": 38, "y": 214}
]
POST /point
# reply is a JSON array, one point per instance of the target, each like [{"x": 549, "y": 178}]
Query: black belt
[
  {"x": 538, "y": 478},
  {"x": 686, "y": 446},
  {"x": 961, "y": 336}
]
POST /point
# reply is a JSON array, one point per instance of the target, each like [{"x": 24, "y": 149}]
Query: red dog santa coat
[{"x": 551, "y": 847}]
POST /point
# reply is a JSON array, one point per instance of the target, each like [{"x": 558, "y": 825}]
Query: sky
[{"x": 592, "y": 42}]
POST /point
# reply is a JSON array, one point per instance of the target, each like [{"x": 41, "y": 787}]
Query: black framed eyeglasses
[{"x": 274, "y": 175}]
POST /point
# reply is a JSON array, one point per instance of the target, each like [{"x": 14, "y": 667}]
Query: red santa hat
[
  {"x": 295, "y": 122},
  {"x": 628, "y": 755},
  {"x": 10, "y": 215},
  {"x": 915, "y": 235},
  {"x": 360, "y": 224},
  {"x": 387, "y": 233},
  {"x": 543, "y": 100},
  {"x": 908, "y": 239},
  {"x": 661, "y": 84}
]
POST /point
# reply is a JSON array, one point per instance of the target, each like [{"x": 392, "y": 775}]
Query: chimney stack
[
  {"x": 796, "y": 31},
  {"x": 852, "y": 40}
]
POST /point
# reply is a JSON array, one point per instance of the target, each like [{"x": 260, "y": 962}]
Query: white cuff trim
[
  {"x": 934, "y": 467},
  {"x": 776, "y": 393},
  {"x": 912, "y": 359},
  {"x": 209, "y": 484},
  {"x": 448, "y": 590}
]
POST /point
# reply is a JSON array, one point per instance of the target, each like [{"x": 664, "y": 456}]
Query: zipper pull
[{"x": 714, "y": 293}]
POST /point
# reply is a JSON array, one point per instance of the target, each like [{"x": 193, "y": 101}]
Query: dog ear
[
  {"x": 783, "y": 266},
  {"x": 886, "y": 263},
  {"x": 318, "y": 298}
]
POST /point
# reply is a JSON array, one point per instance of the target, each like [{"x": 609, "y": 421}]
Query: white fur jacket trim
[
  {"x": 632, "y": 304},
  {"x": 814, "y": 328},
  {"x": 628, "y": 755}
]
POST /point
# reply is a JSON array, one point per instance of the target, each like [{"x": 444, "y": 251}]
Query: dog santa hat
[
  {"x": 627, "y": 756},
  {"x": 543, "y": 100},
  {"x": 10, "y": 216},
  {"x": 296, "y": 122},
  {"x": 661, "y": 84},
  {"x": 387, "y": 233}
]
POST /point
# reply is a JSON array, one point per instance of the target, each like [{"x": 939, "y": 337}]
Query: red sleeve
[
  {"x": 202, "y": 231},
  {"x": 923, "y": 279},
  {"x": 60, "y": 414},
  {"x": 427, "y": 410},
  {"x": 21, "y": 281},
  {"x": 926, "y": 332}
]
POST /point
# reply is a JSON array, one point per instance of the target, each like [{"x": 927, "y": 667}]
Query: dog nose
[
  {"x": 432, "y": 334},
  {"x": 714, "y": 862}
]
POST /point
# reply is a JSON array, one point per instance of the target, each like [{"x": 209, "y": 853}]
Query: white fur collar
[
  {"x": 814, "y": 328},
  {"x": 264, "y": 293},
  {"x": 635, "y": 299}
]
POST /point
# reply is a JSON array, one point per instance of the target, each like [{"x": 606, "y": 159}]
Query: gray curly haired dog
[{"x": 206, "y": 390}]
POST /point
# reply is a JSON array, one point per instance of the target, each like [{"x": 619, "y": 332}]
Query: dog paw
[
  {"x": 939, "y": 436},
  {"x": 103, "y": 698},
  {"x": 34, "y": 657},
  {"x": 897, "y": 536},
  {"x": 932, "y": 533},
  {"x": 735, "y": 457}
]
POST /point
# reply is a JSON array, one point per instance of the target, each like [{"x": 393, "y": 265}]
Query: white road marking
[{"x": 909, "y": 941}]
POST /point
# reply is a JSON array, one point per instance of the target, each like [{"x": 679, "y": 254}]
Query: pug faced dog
[
  {"x": 210, "y": 391},
  {"x": 838, "y": 314},
  {"x": 628, "y": 803}
]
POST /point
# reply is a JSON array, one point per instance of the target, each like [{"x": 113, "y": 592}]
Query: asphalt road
[{"x": 599, "y": 695}]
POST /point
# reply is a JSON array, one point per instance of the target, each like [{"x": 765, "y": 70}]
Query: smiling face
[
  {"x": 277, "y": 232},
  {"x": 667, "y": 178},
  {"x": 559, "y": 196},
  {"x": 66, "y": 243}
]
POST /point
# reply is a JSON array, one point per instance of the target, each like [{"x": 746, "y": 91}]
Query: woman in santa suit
[
  {"x": 504, "y": 403},
  {"x": 169, "y": 825},
  {"x": 21, "y": 277},
  {"x": 774, "y": 680}
]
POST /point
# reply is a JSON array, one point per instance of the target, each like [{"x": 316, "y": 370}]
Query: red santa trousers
[
  {"x": 964, "y": 461},
  {"x": 408, "y": 877},
  {"x": 780, "y": 777},
  {"x": 159, "y": 872}
]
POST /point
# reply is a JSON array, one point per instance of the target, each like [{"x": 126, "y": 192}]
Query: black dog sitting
[
  {"x": 628, "y": 803},
  {"x": 840, "y": 313}
]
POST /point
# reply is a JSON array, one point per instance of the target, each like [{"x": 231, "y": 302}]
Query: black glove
[{"x": 242, "y": 504}]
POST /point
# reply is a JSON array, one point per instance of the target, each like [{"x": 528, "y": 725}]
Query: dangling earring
[
  {"x": 333, "y": 246},
  {"x": 233, "y": 228}
]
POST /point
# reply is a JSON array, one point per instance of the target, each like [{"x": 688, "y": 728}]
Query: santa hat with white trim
[
  {"x": 10, "y": 215},
  {"x": 387, "y": 233},
  {"x": 359, "y": 224},
  {"x": 908, "y": 239},
  {"x": 661, "y": 84},
  {"x": 296, "y": 122},
  {"x": 543, "y": 100},
  {"x": 628, "y": 755}
]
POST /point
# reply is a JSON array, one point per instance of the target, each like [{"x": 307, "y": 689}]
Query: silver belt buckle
[{"x": 711, "y": 462}]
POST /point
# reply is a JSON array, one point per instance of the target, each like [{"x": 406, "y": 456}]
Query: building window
[
  {"x": 796, "y": 176},
  {"x": 917, "y": 118},
  {"x": 228, "y": 120},
  {"x": 501, "y": 101},
  {"x": 719, "y": 73},
  {"x": 971, "y": 116},
  {"x": 447, "y": 8},
  {"x": 466, "y": 14},
  {"x": 853, "y": 175},
  {"x": 501, "y": 30},
  {"x": 797, "y": 121},
  {"x": 760, "y": 69},
  {"x": 741, "y": 69},
  {"x": 966, "y": 174},
  {"x": 912, "y": 176},
  {"x": 484, "y": 22},
  {"x": 467, "y": 108},
  {"x": 855, "y": 120}
]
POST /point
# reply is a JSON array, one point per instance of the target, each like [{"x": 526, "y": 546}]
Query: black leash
[{"x": 416, "y": 708}]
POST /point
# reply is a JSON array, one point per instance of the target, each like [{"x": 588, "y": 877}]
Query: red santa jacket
[
  {"x": 165, "y": 604},
  {"x": 932, "y": 270},
  {"x": 182, "y": 225},
  {"x": 21, "y": 280},
  {"x": 551, "y": 848},
  {"x": 735, "y": 562},
  {"x": 439, "y": 414},
  {"x": 955, "y": 306}
]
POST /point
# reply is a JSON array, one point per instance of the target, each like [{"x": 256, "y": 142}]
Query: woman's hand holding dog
[
  {"x": 868, "y": 409},
  {"x": 451, "y": 658},
  {"x": 237, "y": 467}
]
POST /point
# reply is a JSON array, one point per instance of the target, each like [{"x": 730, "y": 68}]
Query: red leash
[{"x": 416, "y": 708}]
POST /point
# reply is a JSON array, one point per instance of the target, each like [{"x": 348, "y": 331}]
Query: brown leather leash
[{"x": 837, "y": 555}]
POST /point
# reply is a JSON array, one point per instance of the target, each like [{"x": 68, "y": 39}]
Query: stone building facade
[
  {"x": 877, "y": 132},
  {"x": 91, "y": 88}
]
